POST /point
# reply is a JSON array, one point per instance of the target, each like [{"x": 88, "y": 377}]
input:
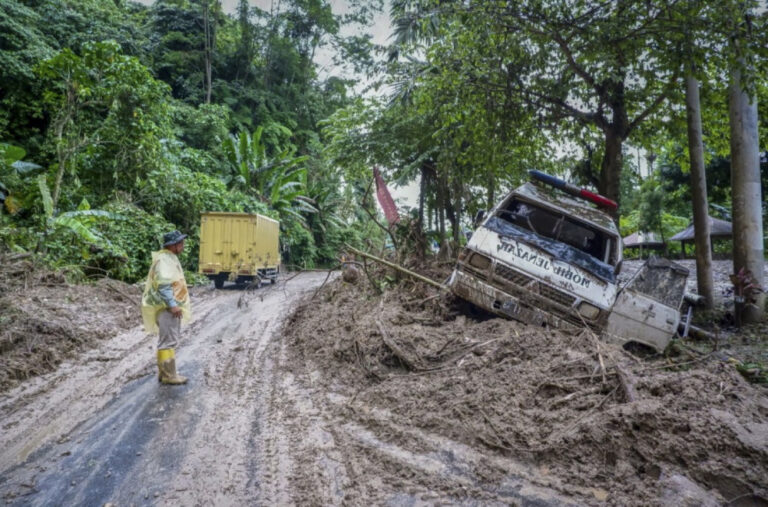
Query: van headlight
[
  {"x": 479, "y": 261},
  {"x": 589, "y": 311}
]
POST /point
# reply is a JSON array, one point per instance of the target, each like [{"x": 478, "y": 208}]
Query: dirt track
[
  {"x": 102, "y": 429},
  {"x": 249, "y": 428}
]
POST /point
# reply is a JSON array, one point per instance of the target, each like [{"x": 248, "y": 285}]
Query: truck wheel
[
  {"x": 273, "y": 280},
  {"x": 218, "y": 282}
]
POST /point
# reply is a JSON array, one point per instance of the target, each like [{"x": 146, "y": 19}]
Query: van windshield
[{"x": 571, "y": 240}]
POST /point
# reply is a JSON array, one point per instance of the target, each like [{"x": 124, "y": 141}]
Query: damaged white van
[{"x": 546, "y": 259}]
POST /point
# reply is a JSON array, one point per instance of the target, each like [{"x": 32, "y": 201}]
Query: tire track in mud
[
  {"x": 301, "y": 462},
  {"x": 139, "y": 442}
]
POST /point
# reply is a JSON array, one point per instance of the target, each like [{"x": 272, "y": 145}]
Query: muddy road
[
  {"x": 102, "y": 430},
  {"x": 248, "y": 428},
  {"x": 343, "y": 395}
]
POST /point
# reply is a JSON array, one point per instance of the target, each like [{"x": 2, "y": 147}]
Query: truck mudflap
[{"x": 505, "y": 305}]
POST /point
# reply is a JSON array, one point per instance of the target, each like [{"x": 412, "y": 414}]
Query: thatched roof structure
[
  {"x": 719, "y": 229},
  {"x": 643, "y": 240}
]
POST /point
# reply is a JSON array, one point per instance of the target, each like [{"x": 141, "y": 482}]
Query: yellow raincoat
[{"x": 165, "y": 270}]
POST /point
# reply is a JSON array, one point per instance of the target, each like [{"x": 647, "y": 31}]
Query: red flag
[{"x": 385, "y": 199}]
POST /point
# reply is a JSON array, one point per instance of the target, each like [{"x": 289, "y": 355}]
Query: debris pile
[
  {"x": 577, "y": 409},
  {"x": 45, "y": 320}
]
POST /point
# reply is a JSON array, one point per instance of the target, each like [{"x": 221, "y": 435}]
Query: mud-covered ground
[
  {"x": 100, "y": 429},
  {"x": 319, "y": 393},
  {"x": 444, "y": 404},
  {"x": 44, "y": 320}
]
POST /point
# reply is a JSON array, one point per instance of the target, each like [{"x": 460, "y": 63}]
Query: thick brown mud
[
  {"x": 341, "y": 396},
  {"x": 100, "y": 429},
  {"x": 442, "y": 404}
]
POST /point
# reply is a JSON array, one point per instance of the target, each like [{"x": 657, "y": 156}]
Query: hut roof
[
  {"x": 643, "y": 239},
  {"x": 718, "y": 229}
]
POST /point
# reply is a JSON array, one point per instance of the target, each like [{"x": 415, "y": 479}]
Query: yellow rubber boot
[{"x": 166, "y": 366}]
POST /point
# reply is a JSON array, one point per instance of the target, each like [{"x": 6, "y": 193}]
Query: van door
[{"x": 647, "y": 308}]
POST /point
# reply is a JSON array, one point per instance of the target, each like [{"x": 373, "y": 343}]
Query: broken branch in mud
[
  {"x": 398, "y": 268},
  {"x": 627, "y": 381},
  {"x": 370, "y": 278},
  {"x": 130, "y": 298},
  {"x": 330, "y": 271},
  {"x": 375, "y": 220},
  {"x": 596, "y": 342},
  {"x": 395, "y": 348}
]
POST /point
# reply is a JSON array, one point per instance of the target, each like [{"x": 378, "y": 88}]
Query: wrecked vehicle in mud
[{"x": 546, "y": 259}]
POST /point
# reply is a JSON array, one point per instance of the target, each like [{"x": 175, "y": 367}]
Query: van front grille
[
  {"x": 511, "y": 275},
  {"x": 521, "y": 281},
  {"x": 477, "y": 274},
  {"x": 555, "y": 295}
]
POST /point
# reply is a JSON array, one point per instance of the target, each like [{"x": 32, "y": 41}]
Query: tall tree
[
  {"x": 747, "y": 201},
  {"x": 701, "y": 224},
  {"x": 209, "y": 32},
  {"x": 582, "y": 67},
  {"x": 745, "y": 163}
]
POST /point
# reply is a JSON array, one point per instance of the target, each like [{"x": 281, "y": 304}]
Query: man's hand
[{"x": 175, "y": 311}]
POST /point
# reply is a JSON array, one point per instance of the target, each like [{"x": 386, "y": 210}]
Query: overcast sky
[{"x": 380, "y": 30}]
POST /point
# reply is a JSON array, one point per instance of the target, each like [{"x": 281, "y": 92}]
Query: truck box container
[{"x": 242, "y": 247}]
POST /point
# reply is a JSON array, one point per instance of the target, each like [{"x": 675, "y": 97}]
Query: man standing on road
[{"x": 165, "y": 304}]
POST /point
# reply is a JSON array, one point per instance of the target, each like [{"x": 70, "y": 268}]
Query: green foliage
[
  {"x": 78, "y": 224},
  {"x": 278, "y": 180},
  {"x": 203, "y": 128},
  {"x": 299, "y": 250},
  {"x": 756, "y": 372},
  {"x": 180, "y": 195},
  {"x": 140, "y": 239},
  {"x": 110, "y": 115}
]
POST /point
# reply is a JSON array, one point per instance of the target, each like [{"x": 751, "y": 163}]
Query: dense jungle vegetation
[{"x": 119, "y": 120}]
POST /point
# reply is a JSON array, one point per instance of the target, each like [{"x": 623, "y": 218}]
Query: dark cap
[{"x": 171, "y": 238}]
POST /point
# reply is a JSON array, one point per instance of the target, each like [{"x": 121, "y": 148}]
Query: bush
[
  {"x": 138, "y": 236},
  {"x": 300, "y": 249}
]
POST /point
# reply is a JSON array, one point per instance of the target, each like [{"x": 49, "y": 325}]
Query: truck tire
[
  {"x": 218, "y": 282},
  {"x": 273, "y": 280}
]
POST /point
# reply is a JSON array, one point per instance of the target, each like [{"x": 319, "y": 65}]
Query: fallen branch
[
  {"x": 627, "y": 381},
  {"x": 395, "y": 348},
  {"x": 596, "y": 341},
  {"x": 398, "y": 268},
  {"x": 330, "y": 271},
  {"x": 120, "y": 292},
  {"x": 370, "y": 278}
]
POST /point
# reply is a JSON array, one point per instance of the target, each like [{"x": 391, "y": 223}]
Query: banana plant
[
  {"x": 12, "y": 171},
  {"x": 79, "y": 222},
  {"x": 280, "y": 180}
]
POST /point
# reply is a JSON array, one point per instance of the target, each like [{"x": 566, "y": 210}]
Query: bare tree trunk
[
  {"x": 490, "y": 191},
  {"x": 422, "y": 196},
  {"x": 610, "y": 170},
  {"x": 208, "y": 51},
  {"x": 745, "y": 183},
  {"x": 701, "y": 228},
  {"x": 457, "y": 211},
  {"x": 62, "y": 156}
]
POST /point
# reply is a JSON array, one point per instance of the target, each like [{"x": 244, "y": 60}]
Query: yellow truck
[{"x": 239, "y": 246}]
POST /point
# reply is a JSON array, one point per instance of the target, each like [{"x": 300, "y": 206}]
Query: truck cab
[{"x": 544, "y": 258}]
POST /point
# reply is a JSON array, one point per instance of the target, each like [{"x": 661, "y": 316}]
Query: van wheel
[{"x": 218, "y": 282}]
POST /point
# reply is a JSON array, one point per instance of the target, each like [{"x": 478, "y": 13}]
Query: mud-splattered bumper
[{"x": 499, "y": 302}]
